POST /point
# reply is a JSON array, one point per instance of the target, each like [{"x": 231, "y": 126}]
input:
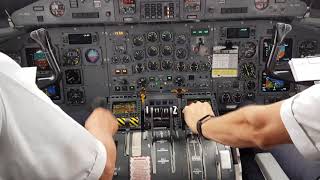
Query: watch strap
[{"x": 201, "y": 122}]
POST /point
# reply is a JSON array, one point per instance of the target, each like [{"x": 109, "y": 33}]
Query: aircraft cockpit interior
[{"x": 152, "y": 58}]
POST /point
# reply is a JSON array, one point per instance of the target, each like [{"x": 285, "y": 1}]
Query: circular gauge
[
  {"x": 75, "y": 96},
  {"x": 181, "y": 53},
  {"x": 138, "y": 40},
  {"x": 205, "y": 66},
  {"x": 166, "y": 64},
  {"x": 248, "y": 70},
  {"x": 153, "y": 65},
  {"x": 138, "y": 55},
  {"x": 72, "y": 57},
  {"x": 115, "y": 60},
  {"x": 194, "y": 67},
  {"x": 261, "y": 4},
  {"x": 167, "y": 51},
  {"x": 308, "y": 48},
  {"x": 152, "y": 37},
  {"x": 181, "y": 66},
  {"x": 166, "y": 36},
  {"x": 57, "y": 8},
  {"x": 251, "y": 85},
  {"x": 126, "y": 59},
  {"x": 237, "y": 98},
  {"x": 73, "y": 76},
  {"x": 225, "y": 98},
  {"x": 249, "y": 50},
  {"x": 153, "y": 51},
  {"x": 92, "y": 55},
  {"x": 181, "y": 39},
  {"x": 139, "y": 68}
]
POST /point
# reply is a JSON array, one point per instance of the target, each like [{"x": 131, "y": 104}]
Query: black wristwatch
[{"x": 201, "y": 122}]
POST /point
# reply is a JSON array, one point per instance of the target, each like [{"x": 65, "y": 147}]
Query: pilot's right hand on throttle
[
  {"x": 102, "y": 122},
  {"x": 194, "y": 112}
]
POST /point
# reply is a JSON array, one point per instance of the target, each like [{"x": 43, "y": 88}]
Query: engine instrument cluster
[{"x": 159, "y": 59}]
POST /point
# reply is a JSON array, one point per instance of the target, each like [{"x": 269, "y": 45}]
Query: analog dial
[
  {"x": 152, "y": 37},
  {"x": 57, "y": 8},
  {"x": 248, "y": 70}
]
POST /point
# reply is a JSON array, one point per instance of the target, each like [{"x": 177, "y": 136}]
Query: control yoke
[
  {"x": 41, "y": 37},
  {"x": 281, "y": 31}
]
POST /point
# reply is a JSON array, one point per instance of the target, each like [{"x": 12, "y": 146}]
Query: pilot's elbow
[{"x": 260, "y": 139}]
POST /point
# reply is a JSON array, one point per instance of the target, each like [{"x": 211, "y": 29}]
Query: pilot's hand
[
  {"x": 103, "y": 121},
  {"x": 194, "y": 112}
]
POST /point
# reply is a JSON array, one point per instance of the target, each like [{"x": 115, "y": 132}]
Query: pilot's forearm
[
  {"x": 109, "y": 144},
  {"x": 252, "y": 126},
  {"x": 111, "y": 158},
  {"x": 103, "y": 126}
]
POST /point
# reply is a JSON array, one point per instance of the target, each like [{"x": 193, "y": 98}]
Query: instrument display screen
[
  {"x": 273, "y": 85},
  {"x": 124, "y": 107}
]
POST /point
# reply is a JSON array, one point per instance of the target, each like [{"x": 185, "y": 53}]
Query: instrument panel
[
  {"x": 150, "y": 59},
  {"x": 83, "y": 12},
  {"x": 162, "y": 58},
  {"x": 226, "y": 59}
]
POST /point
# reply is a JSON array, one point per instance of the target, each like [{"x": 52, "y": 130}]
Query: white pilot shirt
[
  {"x": 37, "y": 139},
  {"x": 301, "y": 117}
]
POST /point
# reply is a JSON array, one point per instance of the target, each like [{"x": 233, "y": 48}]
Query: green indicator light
[
  {"x": 206, "y": 31},
  {"x": 200, "y": 31}
]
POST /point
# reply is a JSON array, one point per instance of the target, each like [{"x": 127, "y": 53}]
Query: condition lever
[{"x": 41, "y": 37}]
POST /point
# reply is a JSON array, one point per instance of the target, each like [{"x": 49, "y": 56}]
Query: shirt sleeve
[
  {"x": 1, "y": 114},
  {"x": 300, "y": 115},
  {"x": 47, "y": 143}
]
